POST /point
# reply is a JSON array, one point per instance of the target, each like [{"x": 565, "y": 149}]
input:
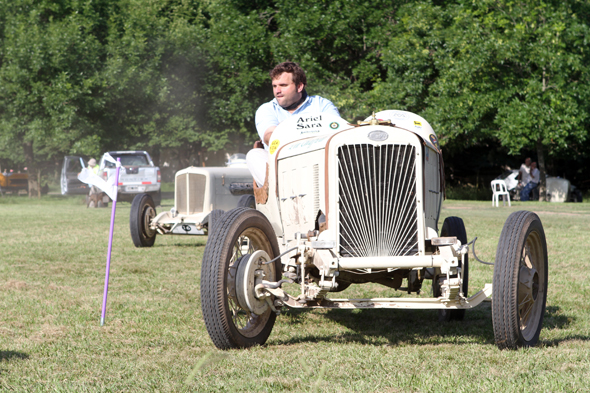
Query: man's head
[
  {"x": 288, "y": 83},
  {"x": 527, "y": 161},
  {"x": 533, "y": 165},
  {"x": 92, "y": 163}
]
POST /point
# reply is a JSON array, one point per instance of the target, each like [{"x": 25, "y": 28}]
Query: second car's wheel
[
  {"x": 142, "y": 213},
  {"x": 247, "y": 201},
  {"x": 230, "y": 324},
  {"x": 454, "y": 226},
  {"x": 519, "y": 290}
]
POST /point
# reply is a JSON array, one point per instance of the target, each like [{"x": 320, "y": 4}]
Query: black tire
[
  {"x": 143, "y": 210},
  {"x": 521, "y": 259},
  {"x": 578, "y": 197},
  {"x": 213, "y": 219},
  {"x": 240, "y": 231},
  {"x": 454, "y": 226},
  {"x": 157, "y": 197},
  {"x": 247, "y": 201}
]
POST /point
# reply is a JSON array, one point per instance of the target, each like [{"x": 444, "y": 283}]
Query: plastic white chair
[{"x": 499, "y": 188}]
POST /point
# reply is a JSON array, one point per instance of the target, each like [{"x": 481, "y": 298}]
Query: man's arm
[{"x": 268, "y": 134}]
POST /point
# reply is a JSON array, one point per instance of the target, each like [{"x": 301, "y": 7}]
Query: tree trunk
[
  {"x": 31, "y": 167},
  {"x": 542, "y": 182},
  {"x": 39, "y": 183}
]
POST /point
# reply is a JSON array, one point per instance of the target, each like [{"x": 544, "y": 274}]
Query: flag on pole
[{"x": 109, "y": 186}]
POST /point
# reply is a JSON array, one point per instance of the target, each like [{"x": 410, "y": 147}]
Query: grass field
[{"x": 52, "y": 275}]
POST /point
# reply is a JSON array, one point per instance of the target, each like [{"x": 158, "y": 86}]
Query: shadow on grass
[
  {"x": 9, "y": 355},
  {"x": 399, "y": 326},
  {"x": 554, "y": 319},
  {"x": 186, "y": 245},
  {"x": 417, "y": 327}
]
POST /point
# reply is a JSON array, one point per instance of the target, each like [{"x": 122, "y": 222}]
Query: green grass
[{"x": 53, "y": 265}]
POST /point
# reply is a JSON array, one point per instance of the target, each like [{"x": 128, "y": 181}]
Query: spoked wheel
[
  {"x": 454, "y": 226},
  {"x": 230, "y": 323},
  {"x": 142, "y": 213},
  {"x": 520, "y": 282}
]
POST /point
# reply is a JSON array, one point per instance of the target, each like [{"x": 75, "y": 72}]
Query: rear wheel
[
  {"x": 143, "y": 211},
  {"x": 247, "y": 201},
  {"x": 230, "y": 324},
  {"x": 520, "y": 282},
  {"x": 454, "y": 226}
]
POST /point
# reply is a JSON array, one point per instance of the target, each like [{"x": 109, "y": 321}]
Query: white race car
[
  {"x": 348, "y": 204},
  {"x": 201, "y": 195}
]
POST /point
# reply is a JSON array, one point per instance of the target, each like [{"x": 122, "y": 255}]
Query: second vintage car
[{"x": 201, "y": 196}]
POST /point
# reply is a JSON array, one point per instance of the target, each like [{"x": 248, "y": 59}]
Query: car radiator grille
[
  {"x": 192, "y": 202},
  {"x": 377, "y": 197}
]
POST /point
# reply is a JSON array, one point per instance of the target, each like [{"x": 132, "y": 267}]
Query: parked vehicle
[
  {"x": 558, "y": 189},
  {"x": 237, "y": 160},
  {"x": 137, "y": 175},
  {"x": 14, "y": 182},
  {"x": 70, "y": 185}
]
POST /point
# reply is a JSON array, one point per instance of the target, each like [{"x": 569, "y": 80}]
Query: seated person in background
[
  {"x": 531, "y": 183},
  {"x": 524, "y": 172},
  {"x": 291, "y": 99},
  {"x": 534, "y": 183}
]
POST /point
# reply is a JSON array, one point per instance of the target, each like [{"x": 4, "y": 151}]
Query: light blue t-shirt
[{"x": 272, "y": 114}]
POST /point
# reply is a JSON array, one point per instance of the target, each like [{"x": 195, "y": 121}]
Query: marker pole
[{"x": 108, "y": 268}]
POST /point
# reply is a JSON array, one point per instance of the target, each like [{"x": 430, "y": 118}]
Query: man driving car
[{"x": 291, "y": 99}]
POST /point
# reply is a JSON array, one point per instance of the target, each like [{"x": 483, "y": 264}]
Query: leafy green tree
[
  {"x": 519, "y": 69},
  {"x": 511, "y": 70},
  {"x": 48, "y": 73}
]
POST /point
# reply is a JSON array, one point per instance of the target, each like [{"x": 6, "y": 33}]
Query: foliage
[{"x": 81, "y": 77}]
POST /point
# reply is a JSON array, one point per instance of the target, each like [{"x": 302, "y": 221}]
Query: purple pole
[{"x": 106, "y": 277}]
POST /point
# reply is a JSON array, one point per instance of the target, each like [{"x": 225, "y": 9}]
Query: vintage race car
[
  {"x": 201, "y": 194},
  {"x": 348, "y": 204}
]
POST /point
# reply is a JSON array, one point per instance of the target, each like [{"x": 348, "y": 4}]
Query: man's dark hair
[{"x": 292, "y": 68}]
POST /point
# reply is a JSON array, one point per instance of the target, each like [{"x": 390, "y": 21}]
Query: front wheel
[
  {"x": 520, "y": 282},
  {"x": 230, "y": 324},
  {"x": 143, "y": 211}
]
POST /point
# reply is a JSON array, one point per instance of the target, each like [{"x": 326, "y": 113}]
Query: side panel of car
[
  {"x": 301, "y": 182},
  {"x": 222, "y": 197}
]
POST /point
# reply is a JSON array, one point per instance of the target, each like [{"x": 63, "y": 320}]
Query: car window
[
  {"x": 129, "y": 160},
  {"x": 74, "y": 166}
]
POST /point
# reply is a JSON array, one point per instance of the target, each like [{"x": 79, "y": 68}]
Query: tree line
[{"x": 186, "y": 76}]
